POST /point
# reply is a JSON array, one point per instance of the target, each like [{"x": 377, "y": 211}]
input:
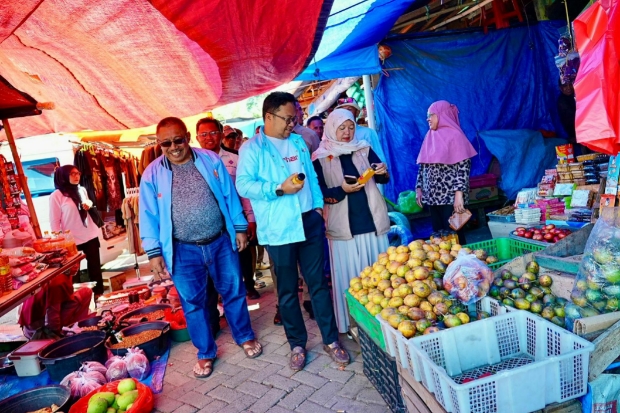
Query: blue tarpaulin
[
  {"x": 505, "y": 79},
  {"x": 523, "y": 156},
  {"x": 349, "y": 43}
]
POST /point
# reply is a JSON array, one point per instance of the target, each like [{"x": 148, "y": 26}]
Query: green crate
[
  {"x": 365, "y": 320},
  {"x": 505, "y": 249}
]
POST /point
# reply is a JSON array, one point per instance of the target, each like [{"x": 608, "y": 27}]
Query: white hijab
[{"x": 329, "y": 145}]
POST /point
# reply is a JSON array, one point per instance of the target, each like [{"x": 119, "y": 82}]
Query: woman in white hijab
[{"x": 356, "y": 215}]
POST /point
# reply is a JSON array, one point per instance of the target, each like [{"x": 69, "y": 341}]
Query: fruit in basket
[
  {"x": 491, "y": 260},
  {"x": 559, "y": 321},
  {"x": 430, "y": 330},
  {"x": 412, "y": 300},
  {"x": 407, "y": 328},
  {"x": 452, "y": 321},
  {"x": 545, "y": 280},
  {"x": 536, "y": 307},
  {"x": 422, "y": 325},
  {"x": 387, "y": 312},
  {"x": 416, "y": 314},
  {"x": 547, "y": 313},
  {"x": 517, "y": 293},
  {"x": 522, "y": 304},
  {"x": 532, "y": 267},
  {"x": 481, "y": 255}
]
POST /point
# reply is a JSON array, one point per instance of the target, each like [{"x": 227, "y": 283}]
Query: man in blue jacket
[
  {"x": 289, "y": 220},
  {"x": 192, "y": 223}
]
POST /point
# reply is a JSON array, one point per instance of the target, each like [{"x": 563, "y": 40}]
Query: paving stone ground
[{"x": 267, "y": 384}]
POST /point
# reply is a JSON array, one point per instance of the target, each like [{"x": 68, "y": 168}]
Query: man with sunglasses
[
  {"x": 289, "y": 218},
  {"x": 192, "y": 223}
]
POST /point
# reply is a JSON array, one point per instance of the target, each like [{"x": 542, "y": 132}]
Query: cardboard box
[{"x": 482, "y": 194}]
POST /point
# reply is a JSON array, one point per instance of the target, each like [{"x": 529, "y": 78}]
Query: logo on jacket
[{"x": 291, "y": 158}]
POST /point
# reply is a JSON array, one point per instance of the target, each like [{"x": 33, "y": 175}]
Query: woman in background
[
  {"x": 70, "y": 209},
  {"x": 356, "y": 214},
  {"x": 444, "y": 165}
]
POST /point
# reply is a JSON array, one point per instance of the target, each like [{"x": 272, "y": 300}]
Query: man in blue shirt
[
  {"x": 289, "y": 219},
  {"x": 192, "y": 223}
]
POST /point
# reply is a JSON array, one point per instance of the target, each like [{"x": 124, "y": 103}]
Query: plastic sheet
[
  {"x": 117, "y": 65},
  {"x": 503, "y": 80},
  {"x": 597, "y": 87}
]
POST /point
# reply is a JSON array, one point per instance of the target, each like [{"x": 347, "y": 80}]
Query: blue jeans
[{"x": 192, "y": 264}]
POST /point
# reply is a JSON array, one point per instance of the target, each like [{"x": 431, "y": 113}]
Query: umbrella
[{"x": 597, "y": 87}]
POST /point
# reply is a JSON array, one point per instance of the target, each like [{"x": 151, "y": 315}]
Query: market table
[
  {"x": 477, "y": 209},
  {"x": 16, "y": 297}
]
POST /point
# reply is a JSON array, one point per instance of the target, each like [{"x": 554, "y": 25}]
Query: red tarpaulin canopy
[
  {"x": 597, "y": 86},
  {"x": 119, "y": 64}
]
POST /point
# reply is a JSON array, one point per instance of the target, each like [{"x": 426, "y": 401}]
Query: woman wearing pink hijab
[{"x": 443, "y": 175}]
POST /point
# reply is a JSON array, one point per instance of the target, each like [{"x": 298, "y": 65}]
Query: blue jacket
[
  {"x": 261, "y": 169},
  {"x": 156, "y": 202}
]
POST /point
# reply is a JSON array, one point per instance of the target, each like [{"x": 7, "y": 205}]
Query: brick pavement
[{"x": 267, "y": 384}]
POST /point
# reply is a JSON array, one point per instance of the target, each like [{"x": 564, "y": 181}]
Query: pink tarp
[
  {"x": 120, "y": 64},
  {"x": 597, "y": 87}
]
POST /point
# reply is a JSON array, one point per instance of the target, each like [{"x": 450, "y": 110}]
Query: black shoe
[
  {"x": 253, "y": 295},
  {"x": 277, "y": 319},
  {"x": 308, "y": 307},
  {"x": 258, "y": 275}
]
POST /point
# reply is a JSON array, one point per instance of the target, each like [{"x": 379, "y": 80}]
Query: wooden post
[{"x": 22, "y": 178}]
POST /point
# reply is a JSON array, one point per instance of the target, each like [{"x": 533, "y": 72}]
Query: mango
[
  {"x": 108, "y": 396},
  {"x": 98, "y": 405},
  {"x": 127, "y": 398},
  {"x": 126, "y": 385}
]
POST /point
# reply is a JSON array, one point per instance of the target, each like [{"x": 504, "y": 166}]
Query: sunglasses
[
  {"x": 179, "y": 140},
  {"x": 213, "y": 133}
]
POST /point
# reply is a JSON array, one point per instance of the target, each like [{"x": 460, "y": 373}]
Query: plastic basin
[{"x": 35, "y": 399}]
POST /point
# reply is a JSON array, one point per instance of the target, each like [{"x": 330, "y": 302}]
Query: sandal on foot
[
  {"x": 337, "y": 353},
  {"x": 298, "y": 359},
  {"x": 252, "y": 348},
  {"x": 206, "y": 369}
]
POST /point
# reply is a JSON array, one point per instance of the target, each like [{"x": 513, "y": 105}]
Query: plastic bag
[
  {"x": 117, "y": 370},
  {"x": 89, "y": 366},
  {"x": 597, "y": 284},
  {"x": 112, "y": 360},
  {"x": 145, "y": 402},
  {"x": 407, "y": 203},
  {"x": 176, "y": 319},
  {"x": 80, "y": 383},
  {"x": 467, "y": 278},
  {"x": 137, "y": 364}
]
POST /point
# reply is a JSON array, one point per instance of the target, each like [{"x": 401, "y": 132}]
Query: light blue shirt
[
  {"x": 290, "y": 155},
  {"x": 259, "y": 172}
]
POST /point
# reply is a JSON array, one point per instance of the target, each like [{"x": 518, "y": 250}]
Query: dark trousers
[
  {"x": 247, "y": 270},
  {"x": 93, "y": 263},
  {"x": 309, "y": 255},
  {"x": 439, "y": 219}
]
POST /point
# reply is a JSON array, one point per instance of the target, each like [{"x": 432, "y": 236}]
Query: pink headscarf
[{"x": 448, "y": 144}]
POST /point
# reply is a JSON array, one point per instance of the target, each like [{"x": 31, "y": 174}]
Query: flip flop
[
  {"x": 208, "y": 368},
  {"x": 251, "y": 345}
]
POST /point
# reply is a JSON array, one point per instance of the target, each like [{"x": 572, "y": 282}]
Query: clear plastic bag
[
  {"x": 117, "y": 370},
  {"x": 467, "y": 278},
  {"x": 597, "y": 285},
  {"x": 137, "y": 364}
]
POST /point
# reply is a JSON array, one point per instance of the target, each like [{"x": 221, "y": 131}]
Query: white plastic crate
[
  {"x": 533, "y": 363},
  {"x": 396, "y": 344}
]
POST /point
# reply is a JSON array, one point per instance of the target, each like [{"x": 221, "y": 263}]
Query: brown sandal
[
  {"x": 298, "y": 359},
  {"x": 252, "y": 348},
  {"x": 206, "y": 369}
]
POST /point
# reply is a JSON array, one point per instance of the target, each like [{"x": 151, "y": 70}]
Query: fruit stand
[{"x": 511, "y": 347}]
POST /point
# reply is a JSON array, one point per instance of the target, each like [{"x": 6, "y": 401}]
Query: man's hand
[
  {"x": 158, "y": 266},
  {"x": 381, "y": 169},
  {"x": 242, "y": 241},
  {"x": 291, "y": 188},
  {"x": 251, "y": 231}
]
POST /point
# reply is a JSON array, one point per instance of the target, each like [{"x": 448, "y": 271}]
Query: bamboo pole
[{"x": 22, "y": 178}]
